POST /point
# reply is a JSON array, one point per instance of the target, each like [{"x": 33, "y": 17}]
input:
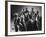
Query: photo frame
[{"x": 14, "y": 9}]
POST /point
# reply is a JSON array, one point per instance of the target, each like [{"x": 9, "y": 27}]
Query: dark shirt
[{"x": 31, "y": 14}]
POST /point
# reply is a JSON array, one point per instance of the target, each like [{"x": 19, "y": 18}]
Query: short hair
[
  {"x": 32, "y": 8},
  {"x": 37, "y": 12},
  {"x": 26, "y": 8}
]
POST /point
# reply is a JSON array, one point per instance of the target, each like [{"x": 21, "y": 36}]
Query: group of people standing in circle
[{"x": 27, "y": 22}]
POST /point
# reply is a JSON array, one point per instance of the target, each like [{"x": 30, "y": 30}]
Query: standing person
[
  {"x": 22, "y": 11},
  {"x": 22, "y": 22},
  {"x": 26, "y": 14},
  {"x": 16, "y": 22},
  {"x": 32, "y": 21},
  {"x": 36, "y": 21},
  {"x": 31, "y": 13},
  {"x": 39, "y": 21}
]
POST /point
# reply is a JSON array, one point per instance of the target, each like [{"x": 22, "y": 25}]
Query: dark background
[{"x": 18, "y": 9}]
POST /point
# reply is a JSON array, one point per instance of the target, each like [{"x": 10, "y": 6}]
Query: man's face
[{"x": 26, "y": 9}]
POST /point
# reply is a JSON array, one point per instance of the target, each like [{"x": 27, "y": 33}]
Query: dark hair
[
  {"x": 37, "y": 12},
  {"x": 32, "y": 8}
]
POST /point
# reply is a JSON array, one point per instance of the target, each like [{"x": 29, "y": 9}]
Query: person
[
  {"x": 26, "y": 18},
  {"x": 22, "y": 11},
  {"x": 26, "y": 13},
  {"x": 31, "y": 13},
  {"x": 31, "y": 23},
  {"x": 39, "y": 21},
  {"x": 16, "y": 23},
  {"x": 22, "y": 23}
]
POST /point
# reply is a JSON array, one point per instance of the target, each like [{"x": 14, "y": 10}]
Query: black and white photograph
[{"x": 25, "y": 18}]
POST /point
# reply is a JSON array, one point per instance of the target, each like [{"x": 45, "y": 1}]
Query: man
[
  {"x": 39, "y": 21},
  {"x": 16, "y": 22},
  {"x": 22, "y": 11},
  {"x": 31, "y": 13},
  {"x": 32, "y": 22},
  {"x": 22, "y": 22},
  {"x": 26, "y": 13},
  {"x": 26, "y": 17}
]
